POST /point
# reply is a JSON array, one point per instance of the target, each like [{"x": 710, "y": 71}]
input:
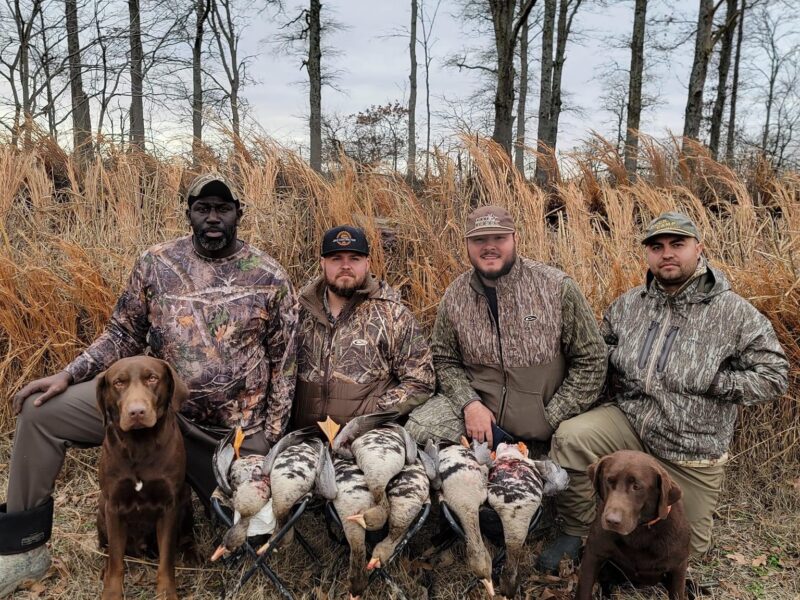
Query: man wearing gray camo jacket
[{"x": 685, "y": 352}]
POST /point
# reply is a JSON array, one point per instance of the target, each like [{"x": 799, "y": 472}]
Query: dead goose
[
  {"x": 296, "y": 468},
  {"x": 516, "y": 487},
  {"x": 407, "y": 492},
  {"x": 463, "y": 471},
  {"x": 381, "y": 450},
  {"x": 243, "y": 481},
  {"x": 353, "y": 497}
]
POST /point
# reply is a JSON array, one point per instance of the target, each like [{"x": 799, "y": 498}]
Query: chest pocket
[{"x": 693, "y": 359}]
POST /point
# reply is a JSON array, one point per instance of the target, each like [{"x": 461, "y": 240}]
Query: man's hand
[
  {"x": 478, "y": 422},
  {"x": 49, "y": 386}
]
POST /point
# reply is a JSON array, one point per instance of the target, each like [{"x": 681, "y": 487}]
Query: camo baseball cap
[
  {"x": 671, "y": 223},
  {"x": 210, "y": 184},
  {"x": 489, "y": 219}
]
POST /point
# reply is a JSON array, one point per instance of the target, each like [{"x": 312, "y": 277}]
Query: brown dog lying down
[
  {"x": 144, "y": 498},
  {"x": 640, "y": 526}
]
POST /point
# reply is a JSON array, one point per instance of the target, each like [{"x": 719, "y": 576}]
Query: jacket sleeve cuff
[{"x": 719, "y": 385}]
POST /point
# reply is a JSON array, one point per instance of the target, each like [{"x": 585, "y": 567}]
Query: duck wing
[
  {"x": 358, "y": 426},
  {"x": 326, "y": 475},
  {"x": 290, "y": 439},
  {"x": 555, "y": 478},
  {"x": 222, "y": 461},
  {"x": 408, "y": 442}
]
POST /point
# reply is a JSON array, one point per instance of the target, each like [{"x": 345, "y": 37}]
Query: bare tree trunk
[
  {"x": 729, "y": 142},
  {"x": 634, "y": 110},
  {"x": 427, "y": 29},
  {"x": 137, "y": 78},
  {"x": 45, "y": 58},
  {"x": 703, "y": 47},
  {"x": 519, "y": 146},
  {"x": 24, "y": 29},
  {"x": 506, "y": 32},
  {"x": 412, "y": 97},
  {"x": 722, "y": 82},
  {"x": 81, "y": 116},
  {"x": 315, "y": 83},
  {"x": 227, "y": 34},
  {"x": 545, "y": 88},
  {"x": 202, "y": 8}
]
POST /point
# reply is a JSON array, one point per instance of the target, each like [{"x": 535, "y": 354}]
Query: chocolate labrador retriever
[
  {"x": 640, "y": 526},
  {"x": 144, "y": 498}
]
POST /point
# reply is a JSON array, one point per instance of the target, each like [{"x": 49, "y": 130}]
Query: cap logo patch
[
  {"x": 487, "y": 221},
  {"x": 665, "y": 224},
  {"x": 343, "y": 238},
  {"x": 529, "y": 318}
]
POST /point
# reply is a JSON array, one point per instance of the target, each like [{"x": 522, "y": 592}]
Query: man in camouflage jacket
[
  {"x": 360, "y": 350},
  {"x": 221, "y": 312},
  {"x": 515, "y": 343},
  {"x": 685, "y": 352}
]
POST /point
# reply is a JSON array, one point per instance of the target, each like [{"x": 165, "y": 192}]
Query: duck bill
[
  {"x": 218, "y": 553},
  {"x": 487, "y": 583},
  {"x": 464, "y": 442},
  {"x": 357, "y": 519},
  {"x": 263, "y": 549},
  {"x": 374, "y": 563}
]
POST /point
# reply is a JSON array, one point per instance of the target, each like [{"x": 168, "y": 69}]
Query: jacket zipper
[
  {"x": 650, "y": 368},
  {"x": 648, "y": 344},
  {"x": 326, "y": 361},
  {"x": 496, "y": 324},
  {"x": 662, "y": 359}
]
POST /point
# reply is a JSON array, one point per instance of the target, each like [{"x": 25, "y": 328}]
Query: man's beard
[
  {"x": 505, "y": 269},
  {"x": 214, "y": 244},
  {"x": 346, "y": 291}
]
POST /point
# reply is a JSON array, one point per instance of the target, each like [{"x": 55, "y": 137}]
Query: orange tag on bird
[{"x": 522, "y": 448}]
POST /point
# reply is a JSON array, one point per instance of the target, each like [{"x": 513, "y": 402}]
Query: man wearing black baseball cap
[{"x": 360, "y": 350}]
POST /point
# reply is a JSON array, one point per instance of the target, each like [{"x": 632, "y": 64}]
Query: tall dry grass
[{"x": 68, "y": 237}]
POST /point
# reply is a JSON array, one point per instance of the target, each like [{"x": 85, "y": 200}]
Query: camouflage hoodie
[
  {"x": 375, "y": 356},
  {"x": 227, "y": 326},
  {"x": 680, "y": 364}
]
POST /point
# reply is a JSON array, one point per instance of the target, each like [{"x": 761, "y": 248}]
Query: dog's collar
[{"x": 657, "y": 519}]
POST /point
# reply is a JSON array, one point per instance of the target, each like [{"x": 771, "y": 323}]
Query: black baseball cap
[{"x": 344, "y": 238}]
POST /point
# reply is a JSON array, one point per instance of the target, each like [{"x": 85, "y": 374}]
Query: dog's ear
[
  {"x": 178, "y": 391},
  {"x": 595, "y": 473},
  {"x": 670, "y": 493},
  {"x": 102, "y": 390}
]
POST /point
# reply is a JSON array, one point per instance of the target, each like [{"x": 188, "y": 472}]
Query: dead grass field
[{"x": 68, "y": 238}]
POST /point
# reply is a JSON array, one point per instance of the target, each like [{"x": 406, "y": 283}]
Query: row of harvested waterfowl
[{"x": 374, "y": 474}]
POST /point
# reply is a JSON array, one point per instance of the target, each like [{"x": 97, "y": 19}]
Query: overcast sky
[{"x": 373, "y": 65}]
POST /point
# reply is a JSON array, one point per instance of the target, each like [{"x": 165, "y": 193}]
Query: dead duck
[
  {"x": 353, "y": 497},
  {"x": 243, "y": 480},
  {"x": 516, "y": 487},
  {"x": 303, "y": 464},
  {"x": 381, "y": 450},
  {"x": 463, "y": 473}
]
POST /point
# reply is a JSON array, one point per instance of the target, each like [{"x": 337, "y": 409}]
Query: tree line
[{"x": 87, "y": 67}]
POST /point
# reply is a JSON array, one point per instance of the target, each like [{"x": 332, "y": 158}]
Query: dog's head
[
  {"x": 136, "y": 392},
  {"x": 633, "y": 488}
]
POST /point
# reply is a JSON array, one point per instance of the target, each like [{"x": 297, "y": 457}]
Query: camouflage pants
[
  {"x": 582, "y": 440},
  {"x": 436, "y": 420}
]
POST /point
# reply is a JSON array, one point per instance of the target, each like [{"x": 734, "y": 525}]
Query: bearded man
[
  {"x": 220, "y": 311},
  {"x": 360, "y": 350},
  {"x": 515, "y": 345}
]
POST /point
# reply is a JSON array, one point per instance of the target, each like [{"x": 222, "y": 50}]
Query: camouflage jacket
[
  {"x": 541, "y": 363},
  {"x": 226, "y": 325},
  {"x": 375, "y": 356},
  {"x": 680, "y": 364}
]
